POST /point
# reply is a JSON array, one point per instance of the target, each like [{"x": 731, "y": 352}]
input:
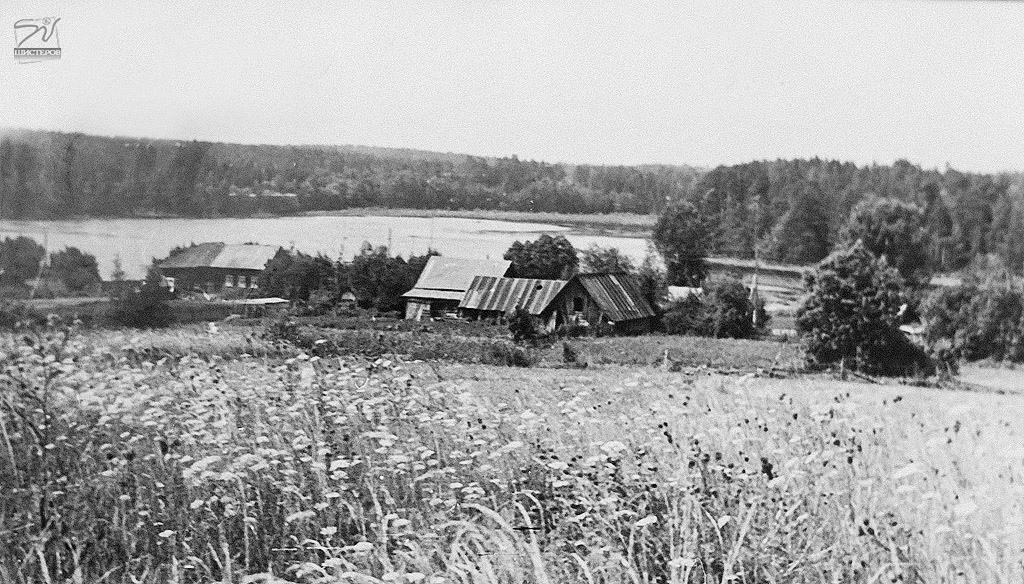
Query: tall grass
[{"x": 328, "y": 469}]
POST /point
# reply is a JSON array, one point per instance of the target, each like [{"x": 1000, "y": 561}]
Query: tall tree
[
  {"x": 681, "y": 237},
  {"x": 852, "y": 314},
  {"x": 548, "y": 258},
  {"x": 606, "y": 259},
  {"x": 892, "y": 229},
  {"x": 803, "y": 235}
]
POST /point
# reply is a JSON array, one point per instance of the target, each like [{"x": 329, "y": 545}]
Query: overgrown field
[
  {"x": 480, "y": 342},
  {"x": 126, "y": 466}
]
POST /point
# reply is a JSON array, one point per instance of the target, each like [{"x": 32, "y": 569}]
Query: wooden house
[{"x": 214, "y": 267}]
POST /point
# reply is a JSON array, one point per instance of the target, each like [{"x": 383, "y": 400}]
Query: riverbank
[{"x": 614, "y": 224}]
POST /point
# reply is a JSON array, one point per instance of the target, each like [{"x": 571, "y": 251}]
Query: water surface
[{"x": 137, "y": 241}]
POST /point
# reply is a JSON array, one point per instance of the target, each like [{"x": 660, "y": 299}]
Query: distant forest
[
  {"x": 766, "y": 206},
  {"x": 57, "y": 175}
]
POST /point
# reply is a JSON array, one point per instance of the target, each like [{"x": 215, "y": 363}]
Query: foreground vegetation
[{"x": 217, "y": 465}]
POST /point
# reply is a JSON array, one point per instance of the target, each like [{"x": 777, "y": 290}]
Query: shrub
[
  {"x": 379, "y": 279},
  {"x": 504, "y": 353},
  {"x": 852, "y": 316},
  {"x": 685, "y": 317},
  {"x": 522, "y": 327},
  {"x": 19, "y": 260},
  {"x": 976, "y": 321},
  {"x": 725, "y": 310},
  {"x": 295, "y": 275},
  {"x": 143, "y": 308},
  {"x": 78, "y": 271}
]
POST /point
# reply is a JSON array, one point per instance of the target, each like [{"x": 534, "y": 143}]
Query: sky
[{"x": 704, "y": 83}]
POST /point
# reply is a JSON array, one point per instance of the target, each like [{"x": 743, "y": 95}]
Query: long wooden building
[{"x": 596, "y": 301}]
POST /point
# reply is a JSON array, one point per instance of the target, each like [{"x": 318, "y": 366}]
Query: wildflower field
[{"x": 235, "y": 459}]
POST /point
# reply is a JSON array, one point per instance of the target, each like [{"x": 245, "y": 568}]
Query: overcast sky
[{"x": 702, "y": 83}]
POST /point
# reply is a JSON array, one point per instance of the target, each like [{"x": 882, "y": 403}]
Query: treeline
[
  {"x": 794, "y": 211},
  {"x": 788, "y": 211},
  {"x": 56, "y": 175}
]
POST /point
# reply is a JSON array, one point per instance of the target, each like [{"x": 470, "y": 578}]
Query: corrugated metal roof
[
  {"x": 491, "y": 294},
  {"x": 444, "y": 273},
  {"x": 618, "y": 296},
  {"x": 455, "y": 295},
  {"x": 220, "y": 255}
]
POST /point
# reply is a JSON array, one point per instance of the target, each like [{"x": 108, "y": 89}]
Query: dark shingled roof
[
  {"x": 618, "y": 295},
  {"x": 490, "y": 294}
]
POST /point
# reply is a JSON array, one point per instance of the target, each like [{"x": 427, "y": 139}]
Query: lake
[{"x": 137, "y": 241}]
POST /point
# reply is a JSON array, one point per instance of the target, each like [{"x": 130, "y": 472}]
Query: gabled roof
[
  {"x": 443, "y": 276},
  {"x": 491, "y": 294},
  {"x": 221, "y": 255},
  {"x": 428, "y": 294},
  {"x": 617, "y": 294}
]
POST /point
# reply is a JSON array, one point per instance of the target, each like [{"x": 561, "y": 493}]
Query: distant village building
[
  {"x": 213, "y": 267},
  {"x": 443, "y": 283},
  {"x": 591, "y": 300}
]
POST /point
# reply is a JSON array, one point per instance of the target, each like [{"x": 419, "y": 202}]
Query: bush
[
  {"x": 78, "y": 271},
  {"x": 19, "y": 260},
  {"x": 144, "y": 308},
  {"x": 685, "y": 317},
  {"x": 504, "y": 353},
  {"x": 852, "y": 316},
  {"x": 976, "y": 321},
  {"x": 522, "y": 327},
  {"x": 725, "y": 310},
  {"x": 141, "y": 310}
]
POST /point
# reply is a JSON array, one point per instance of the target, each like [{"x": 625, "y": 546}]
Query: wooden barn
[
  {"x": 444, "y": 282},
  {"x": 490, "y": 297},
  {"x": 595, "y": 301},
  {"x": 606, "y": 300},
  {"x": 214, "y": 267}
]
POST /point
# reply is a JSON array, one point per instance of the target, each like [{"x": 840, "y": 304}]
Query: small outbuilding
[
  {"x": 444, "y": 282},
  {"x": 489, "y": 297},
  {"x": 606, "y": 300},
  {"x": 213, "y": 267}
]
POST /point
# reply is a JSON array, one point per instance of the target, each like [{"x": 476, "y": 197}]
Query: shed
[
  {"x": 212, "y": 267},
  {"x": 444, "y": 282},
  {"x": 606, "y": 299},
  {"x": 491, "y": 297}
]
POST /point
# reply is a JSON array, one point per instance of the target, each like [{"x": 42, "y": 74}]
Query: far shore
[
  {"x": 610, "y": 224},
  {"x": 620, "y": 224}
]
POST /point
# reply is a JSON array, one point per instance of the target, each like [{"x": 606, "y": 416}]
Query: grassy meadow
[{"x": 211, "y": 454}]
